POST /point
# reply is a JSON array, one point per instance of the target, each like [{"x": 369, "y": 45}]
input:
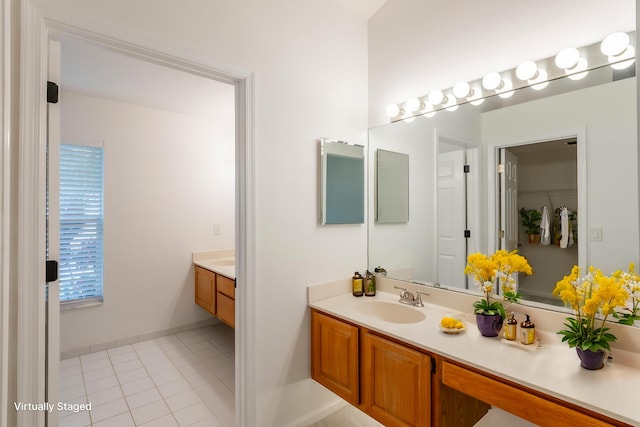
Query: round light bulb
[
  {"x": 427, "y": 110},
  {"x": 451, "y": 103},
  {"x": 476, "y": 96},
  {"x": 540, "y": 82},
  {"x": 462, "y": 90},
  {"x": 506, "y": 91},
  {"x": 393, "y": 110},
  {"x": 629, "y": 54},
  {"x": 567, "y": 58},
  {"x": 436, "y": 97},
  {"x": 614, "y": 44},
  {"x": 492, "y": 81},
  {"x": 578, "y": 72},
  {"x": 412, "y": 104},
  {"x": 527, "y": 70}
]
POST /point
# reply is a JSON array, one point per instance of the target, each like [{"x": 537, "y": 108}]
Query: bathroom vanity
[
  {"x": 407, "y": 372},
  {"x": 215, "y": 284}
]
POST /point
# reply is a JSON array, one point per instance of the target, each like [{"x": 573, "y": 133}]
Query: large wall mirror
[{"x": 575, "y": 145}]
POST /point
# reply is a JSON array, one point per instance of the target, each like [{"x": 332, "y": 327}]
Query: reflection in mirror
[
  {"x": 457, "y": 171},
  {"x": 538, "y": 211},
  {"x": 342, "y": 182},
  {"x": 601, "y": 117},
  {"x": 392, "y": 187}
]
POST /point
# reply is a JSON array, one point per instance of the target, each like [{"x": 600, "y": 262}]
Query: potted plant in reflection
[
  {"x": 588, "y": 296},
  {"x": 490, "y": 272},
  {"x": 631, "y": 283},
  {"x": 531, "y": 220}
]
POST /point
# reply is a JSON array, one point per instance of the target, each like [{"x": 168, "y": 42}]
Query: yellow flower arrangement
[
  {"x": 587, "y": 296},
  {"x": 489, "y": 270},
  {"x": 631, "y": 283}
]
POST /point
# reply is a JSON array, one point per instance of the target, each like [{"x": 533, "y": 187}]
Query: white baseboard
[
  {"x": 318, "y": 414},
  {"x": 137, "y": 338}
]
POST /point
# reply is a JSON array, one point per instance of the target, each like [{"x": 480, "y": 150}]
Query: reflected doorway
[{"x": 539, "y": 211}]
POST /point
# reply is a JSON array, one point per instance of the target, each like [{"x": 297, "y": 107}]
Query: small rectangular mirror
[
  {"x": 392, "y": 187},
  {"x": 342, "y": 182}
]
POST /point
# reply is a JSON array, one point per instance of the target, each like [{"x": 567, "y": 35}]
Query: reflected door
[
  {"x": 452, "y": 219},
  {"x": 508, "y": 171}
]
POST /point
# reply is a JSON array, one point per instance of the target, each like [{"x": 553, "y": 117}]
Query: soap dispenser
[
  {"x": 527, "y": 331},
  {"x": 511, "y": 328},
  {"x": 369, "y": 284},
  {"x": 356, "y": 284}
]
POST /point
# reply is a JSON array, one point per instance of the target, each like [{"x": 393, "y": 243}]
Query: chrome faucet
[{"x": 406, "y": 297}]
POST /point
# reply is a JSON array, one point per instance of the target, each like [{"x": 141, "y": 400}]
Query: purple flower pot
[
  {"x": 591, "y": 360},
  {"x": 489, "y": 325}
]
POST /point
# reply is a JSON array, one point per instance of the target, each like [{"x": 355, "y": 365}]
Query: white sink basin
[{"x": 392, "y": 312}]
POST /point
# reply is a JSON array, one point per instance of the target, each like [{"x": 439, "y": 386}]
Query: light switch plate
[
  {"x": 216, "y": 229},
  {"x": 595, "y": 234}
]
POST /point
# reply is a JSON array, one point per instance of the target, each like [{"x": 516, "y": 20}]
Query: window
[{"x": 81, "y": 224}]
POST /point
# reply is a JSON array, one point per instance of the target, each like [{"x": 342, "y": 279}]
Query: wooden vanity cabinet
[
  {"x": 206, "y": 289},
  {"x": 225, "y": 300},
  {"x": 396, "y": 383},
  {"x": 216, "y": 294},
  {"x": 335, "y": 356}
]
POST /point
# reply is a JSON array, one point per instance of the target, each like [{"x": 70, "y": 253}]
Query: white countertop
[
  {"x": 221, "y": 262},
  {"x": 553, "y": 369}
]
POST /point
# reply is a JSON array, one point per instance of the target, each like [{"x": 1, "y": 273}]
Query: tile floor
[{"x": 186, "y": 379}]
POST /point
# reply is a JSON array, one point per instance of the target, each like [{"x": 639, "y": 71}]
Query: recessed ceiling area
[{"x": 94, "y": 70}]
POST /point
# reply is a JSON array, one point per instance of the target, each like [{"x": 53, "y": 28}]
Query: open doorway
[
  {"x": 539, "y": 211},
  {"x": 41, "y": 25},
  {"x": 142, "y": 350}
]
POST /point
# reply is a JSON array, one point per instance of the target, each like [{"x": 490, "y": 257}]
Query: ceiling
[{"x": 93, "y": 70}]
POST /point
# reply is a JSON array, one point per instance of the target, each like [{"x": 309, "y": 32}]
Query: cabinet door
[
  {"x": 396, "y": 383},
  {"x": 206, "y": 289},
  {"x": 226, "y": 309},
  {"x": 334, "y": 356}
]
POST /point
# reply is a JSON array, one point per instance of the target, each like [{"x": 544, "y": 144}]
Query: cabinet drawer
[
  {"x": 226, "y": 309},
  {"x": 226, "y": 286},
  {"x": 515, "y": 400}
]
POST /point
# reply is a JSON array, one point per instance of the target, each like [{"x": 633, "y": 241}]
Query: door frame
[
  {"x": 493, "y": 158},
  {"x": 39, "y": 23},
  {"x": 5, "y": 202}
]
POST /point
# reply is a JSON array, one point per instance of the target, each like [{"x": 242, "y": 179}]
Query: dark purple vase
[
  {"x": 591, "y": 360},
  {"x": 489, "y": 325}
]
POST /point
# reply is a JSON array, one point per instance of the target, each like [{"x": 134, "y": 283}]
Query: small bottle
[
  {"x": 356, "y": 282},
  {"x": 511, "y": 328},
  {"x": 369, "y": 284},
  {"x": 527, "y": 331}
]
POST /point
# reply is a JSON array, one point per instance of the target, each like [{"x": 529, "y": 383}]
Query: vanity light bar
[{"x": 570, "y": 62}]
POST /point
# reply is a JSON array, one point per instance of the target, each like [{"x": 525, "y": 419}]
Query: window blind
[{"x": 81, "y": 224}]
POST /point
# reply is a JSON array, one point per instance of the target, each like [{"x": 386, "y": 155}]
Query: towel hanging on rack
[
  {"x": 564, "y": 227},
  {"x": 545, "y": 234}
]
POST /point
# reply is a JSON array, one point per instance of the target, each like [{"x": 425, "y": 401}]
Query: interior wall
[
  {"x": 408, "y": 250},
  {"x": 310, "y": 65},
  {"x": 611, "y": 158},
  {"x": 418, "y": 46},
  {"x": 167, "y": 178}
]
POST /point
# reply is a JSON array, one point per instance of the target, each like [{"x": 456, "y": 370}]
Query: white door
[
  {"x": 452, "y": 219},
  {"x": 508, "y": 171},
  {"x": 52, "y": 362}
]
